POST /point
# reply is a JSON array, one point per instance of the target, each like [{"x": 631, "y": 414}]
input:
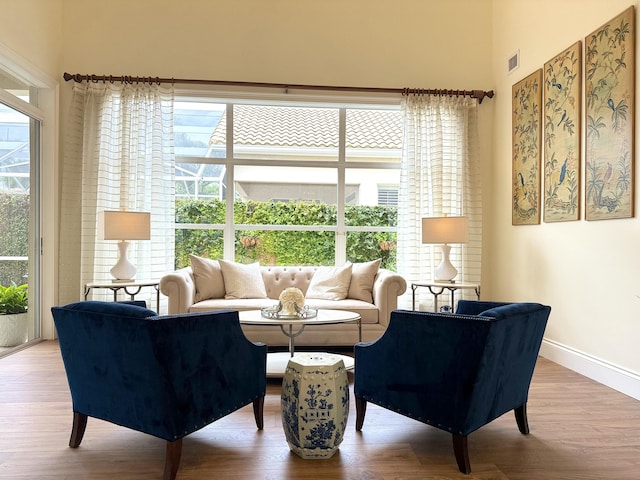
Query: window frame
[
  {"x": 341, "y": 165},
  {"x": 43, "y": 107}
]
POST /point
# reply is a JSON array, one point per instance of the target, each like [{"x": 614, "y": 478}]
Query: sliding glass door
[{"x": 19, "y": 215}]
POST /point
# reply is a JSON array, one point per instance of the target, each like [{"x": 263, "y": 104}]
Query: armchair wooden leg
[
  {"x": 521, "y": 418},
  {"x": 461, "y": 451},
  {"x": 258, "y": 412},
  {"x": 361, "y": 409},
  {"x": 77, "y": 430},
  {"x": 172, "y": 460}
]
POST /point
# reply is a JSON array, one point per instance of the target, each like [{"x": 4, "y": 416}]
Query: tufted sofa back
[{"x": 276, "y": 279}]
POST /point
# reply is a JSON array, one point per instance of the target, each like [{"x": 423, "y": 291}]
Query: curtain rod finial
[{"x": 480, "y": 94}]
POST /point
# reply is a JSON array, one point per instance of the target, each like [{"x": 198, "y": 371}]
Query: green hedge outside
[
  {"x": 14, "y": 237},
  {"x": 286, "y": 247}
]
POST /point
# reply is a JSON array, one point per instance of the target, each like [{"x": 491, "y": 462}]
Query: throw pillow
[
  {"x": 362, "y": 278},
  {"x": 242, "y": 281},
  {"x": 208, "y": 278},
  {"x": 330, "y": 283}
]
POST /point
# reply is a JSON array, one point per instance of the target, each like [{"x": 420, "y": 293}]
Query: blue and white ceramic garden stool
[{"x": 315, "y": 404}]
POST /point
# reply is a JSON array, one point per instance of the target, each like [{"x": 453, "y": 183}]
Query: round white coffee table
[{"x": 277, "y": 362}]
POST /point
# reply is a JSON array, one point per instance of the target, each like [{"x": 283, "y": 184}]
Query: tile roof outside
[{"x": 276, "y": 126}]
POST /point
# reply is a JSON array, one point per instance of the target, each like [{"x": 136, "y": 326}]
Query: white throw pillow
[
  {"x": 330, "y": 283},
  {"x": 362, "y": 277},
  {"x": 242, "y": 281},
  {"x": 208, "y": 278}
]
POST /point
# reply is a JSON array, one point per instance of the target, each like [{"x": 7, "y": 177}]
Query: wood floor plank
[{"x": 579, "y": 430}]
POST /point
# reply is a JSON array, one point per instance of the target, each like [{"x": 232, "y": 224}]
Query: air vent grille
[{"x": 514, "y": 61}]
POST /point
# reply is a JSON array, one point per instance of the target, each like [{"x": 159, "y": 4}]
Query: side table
[
  {"x": 315, "y": 404},
  {"x": 437, "y": 288},
  {"x": 131, "y": 288}
]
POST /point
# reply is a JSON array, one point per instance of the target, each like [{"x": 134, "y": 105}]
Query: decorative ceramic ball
[{"x": 289, "y": 299}]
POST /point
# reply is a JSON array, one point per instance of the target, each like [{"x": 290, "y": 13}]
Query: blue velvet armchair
[
  {"x": 456, "y": 372},
  {"x": 166, "y": 376}
]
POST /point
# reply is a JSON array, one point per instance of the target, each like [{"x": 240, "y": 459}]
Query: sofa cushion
[
  {"x": 367, "y": 311},
  {"x": 330, "y": 283},
  {"x": 233, "y": 304},
  {"x": 207, "y": 276},
  {"x": 362, "y": 277},
  {"x": 242, "y": 281}
]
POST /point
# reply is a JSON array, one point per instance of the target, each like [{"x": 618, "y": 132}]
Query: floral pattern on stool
[{"x": 315, "y": 404}]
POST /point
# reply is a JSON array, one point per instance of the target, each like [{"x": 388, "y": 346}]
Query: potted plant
[{"x": 14, "y": 303}]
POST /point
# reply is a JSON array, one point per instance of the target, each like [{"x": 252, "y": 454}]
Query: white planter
[{"x": 14, "y": 329}]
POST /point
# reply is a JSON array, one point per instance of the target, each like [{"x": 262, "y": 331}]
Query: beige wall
[
  {"x": 587, "y": 271},
  {"x": 33, "y": 30},
  {"x": 357, "y": 42}
]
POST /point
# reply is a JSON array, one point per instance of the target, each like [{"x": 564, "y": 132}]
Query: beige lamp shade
[
  {"x": 444, "y": 230},
  {"x": 123, "y": 225}
]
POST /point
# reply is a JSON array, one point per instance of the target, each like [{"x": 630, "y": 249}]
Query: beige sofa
[{"x": 181, "y": 289}]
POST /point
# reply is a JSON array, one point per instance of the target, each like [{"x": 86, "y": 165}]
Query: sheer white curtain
[
  {"x": 440, "y": 174},
  {"x": 118, "y": 155}
]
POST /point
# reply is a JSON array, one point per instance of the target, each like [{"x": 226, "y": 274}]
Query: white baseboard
[{"x": 608, "y": 374}]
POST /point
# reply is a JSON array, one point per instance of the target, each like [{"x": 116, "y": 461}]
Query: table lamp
[
  {"x": 124, "y": 226},
  {"x": 444, "y": 230}
]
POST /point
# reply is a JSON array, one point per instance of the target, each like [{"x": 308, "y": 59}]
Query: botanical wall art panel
[
  {"x": 526, "y": 151},
  {"x": 562, "y": 102},
  {"x": 610, "y": 101}
]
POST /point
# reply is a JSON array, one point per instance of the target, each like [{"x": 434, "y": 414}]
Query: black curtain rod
[{"x": 478, "y": 94}]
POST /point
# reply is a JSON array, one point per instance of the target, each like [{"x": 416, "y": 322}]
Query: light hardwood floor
[{"x": 579, "y": 430}]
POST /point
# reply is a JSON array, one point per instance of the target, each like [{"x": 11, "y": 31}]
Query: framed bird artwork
[
  {"x": 526, "y": 114},
  {"x": 610, "y": 117},
  {"x": 562, "y": 118}
]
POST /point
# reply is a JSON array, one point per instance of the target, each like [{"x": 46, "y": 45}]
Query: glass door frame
[{"x": 44, "y": 193}]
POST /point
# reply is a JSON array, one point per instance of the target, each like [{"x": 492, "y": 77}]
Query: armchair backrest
[
  {"x": 454, "y": 371},
  {"x": 163, "y": 375},
  {"x": 509, "y": 359},
  {"x": 476, "y": 307}
]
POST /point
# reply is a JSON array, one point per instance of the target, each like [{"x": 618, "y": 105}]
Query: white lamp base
[
  {"x": 445, "y": 272},
  {"x": 123, "y": 270}
]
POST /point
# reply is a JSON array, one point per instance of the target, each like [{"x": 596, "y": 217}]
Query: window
[{"x": 298, "y": 185}]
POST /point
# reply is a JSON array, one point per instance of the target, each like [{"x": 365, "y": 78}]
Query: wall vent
[{"x": 514, "y": 61}]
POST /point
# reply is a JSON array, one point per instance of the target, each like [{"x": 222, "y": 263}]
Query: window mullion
[
  {"x": 341, "y": 237},
  {"x": 229, "y": 231}
]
